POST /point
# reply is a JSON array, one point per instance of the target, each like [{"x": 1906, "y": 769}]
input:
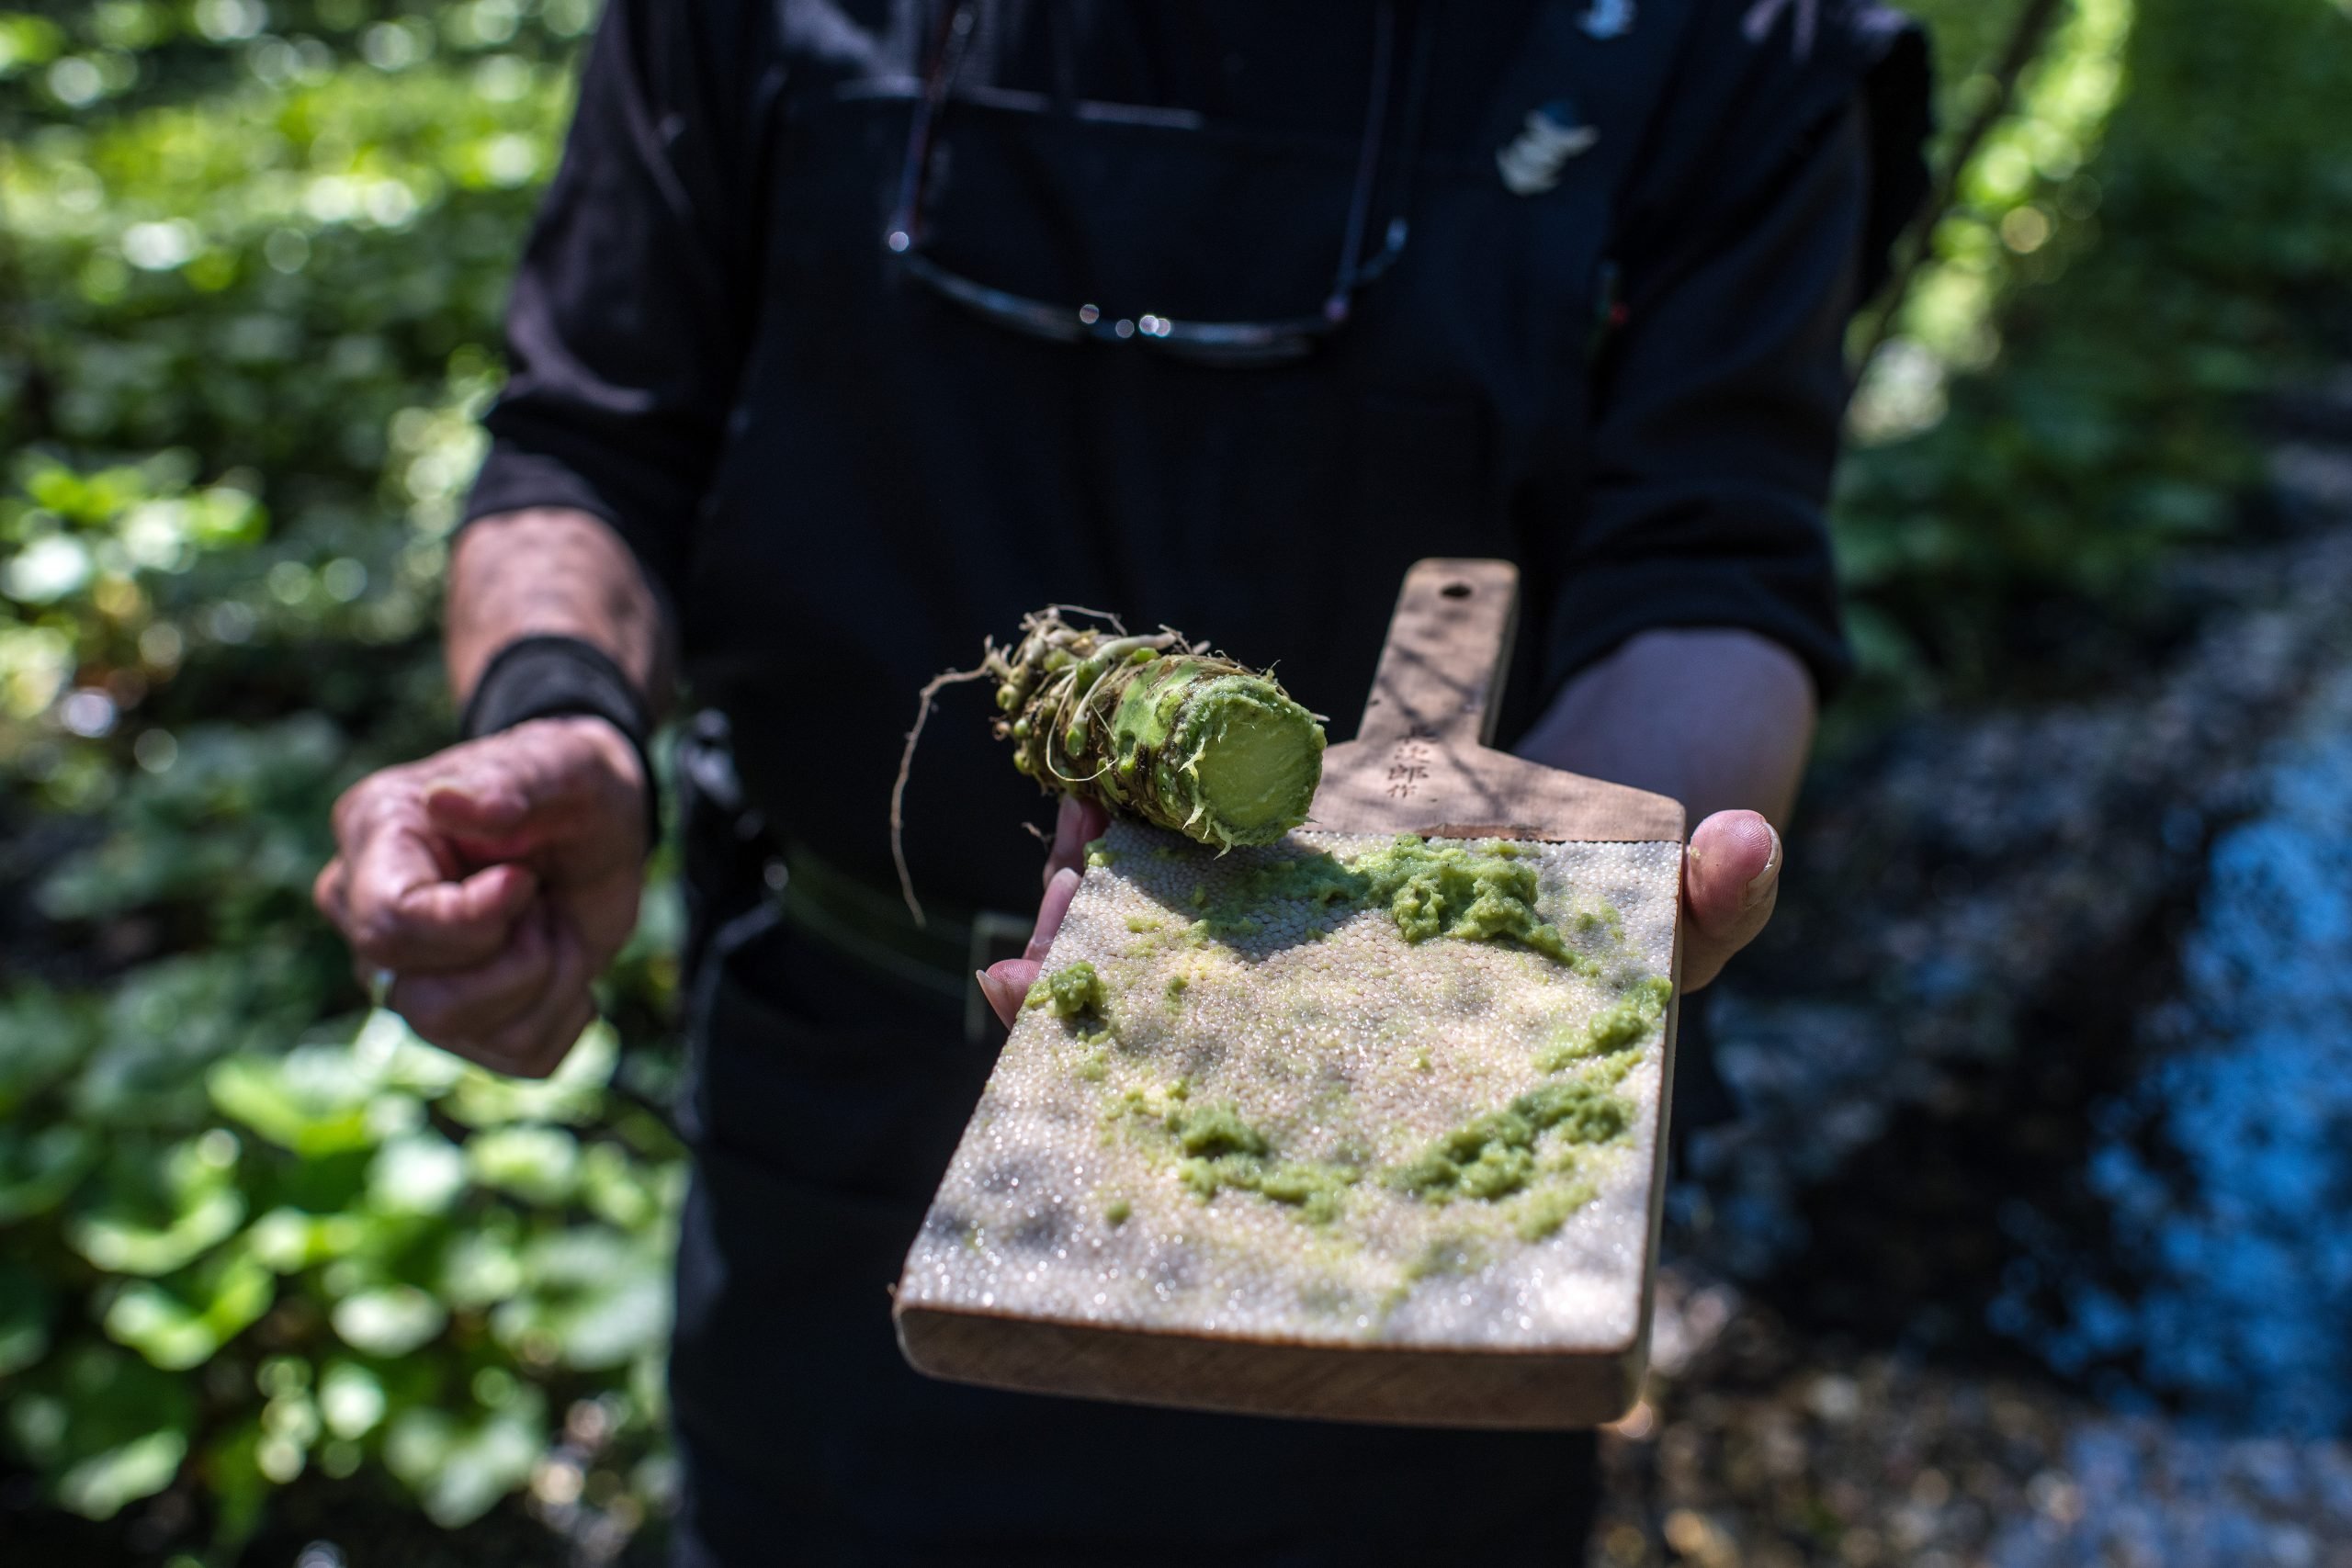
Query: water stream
[{"x": 2223, "y": 1284}]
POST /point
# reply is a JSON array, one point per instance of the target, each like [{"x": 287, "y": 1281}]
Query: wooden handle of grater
[
  {"x": 1422, "y": 763},
  {"x": 1441, "y": 671}
]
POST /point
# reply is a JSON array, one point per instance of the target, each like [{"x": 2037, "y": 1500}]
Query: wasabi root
[{"x": 1154, "y": 728}]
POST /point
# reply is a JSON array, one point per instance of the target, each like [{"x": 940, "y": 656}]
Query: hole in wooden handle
[{"x": 1456, "y": 591}]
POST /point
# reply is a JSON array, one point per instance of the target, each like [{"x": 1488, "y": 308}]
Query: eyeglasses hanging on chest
[{"x": 1273, "y": 341}]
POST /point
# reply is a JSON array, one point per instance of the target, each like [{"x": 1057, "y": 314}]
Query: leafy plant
[
  {"x": 252, "y": 264},
  {"x": 2065, "y": 399}
]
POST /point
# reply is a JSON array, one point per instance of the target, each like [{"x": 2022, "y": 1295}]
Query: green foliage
[
  {"x": 2142, "y": 245},
  {"x": 252, "y": 258}
]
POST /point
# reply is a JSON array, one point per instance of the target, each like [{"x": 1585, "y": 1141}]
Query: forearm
[
  {"x": 1719, "y": 719},
  {"x": 553, "y": 572}
]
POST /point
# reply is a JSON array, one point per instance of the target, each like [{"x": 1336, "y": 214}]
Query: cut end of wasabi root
[{"x": 1247, "y": 758}]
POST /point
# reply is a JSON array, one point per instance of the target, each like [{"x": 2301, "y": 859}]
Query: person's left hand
[{"x": 1731, "y": 878}]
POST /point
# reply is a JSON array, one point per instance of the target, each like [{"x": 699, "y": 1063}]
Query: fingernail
[
  {"x": 1761, "y": 886},
  {"x": 991, "y": 988}
]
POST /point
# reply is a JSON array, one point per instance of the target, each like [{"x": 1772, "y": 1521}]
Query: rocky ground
[{"x": 2008, "y": 1259}]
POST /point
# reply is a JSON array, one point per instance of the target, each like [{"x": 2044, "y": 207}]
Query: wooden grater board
[{"x": 1064, "y": 1252}]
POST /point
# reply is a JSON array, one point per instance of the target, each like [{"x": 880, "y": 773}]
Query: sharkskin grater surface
[{"x": 1347, "y": 1048}]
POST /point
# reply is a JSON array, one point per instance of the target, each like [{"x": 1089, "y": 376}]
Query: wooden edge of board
[
  {"x": 1383, "y": 1385},
  {"x": 1413, "y": 785},
  {"x": 1654, "y": 1236}
]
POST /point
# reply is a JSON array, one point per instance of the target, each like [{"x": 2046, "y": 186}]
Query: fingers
[
  {"x": 1059, "y": 890},
  {"x": 395, "y": 903},
  {"x": 1077, "y": 824},
  {"x": 518, "y": 1014},
  {"x": 1731, "y": 879},
  {"x": 537, "y": 1050},
  {"x": 433, "y": 872},
  {"x": 487, "y": 967},
  {"x": 1006, "y": 984},
  {"x": 508, "y": 792},
  {"x": 472, "y": 1004},
  {"x": 531, "y": 1046}
]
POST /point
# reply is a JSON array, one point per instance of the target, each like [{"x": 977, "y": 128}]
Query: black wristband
[{"x": 564, "y": 677}]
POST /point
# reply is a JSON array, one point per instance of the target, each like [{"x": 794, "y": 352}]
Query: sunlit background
[{"x": 2027, "y": 1249}]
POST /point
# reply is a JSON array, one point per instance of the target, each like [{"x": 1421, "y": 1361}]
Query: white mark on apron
[{"x": 1532, "y": 164}]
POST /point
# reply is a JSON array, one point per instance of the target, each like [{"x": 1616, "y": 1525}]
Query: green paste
[
  {"x": 1224, "y": 1152},
  {"x": 1215, "y": 1130},
  {"x": 1449, "y": 1257},
  {"x": 1627, "y": 1024},
  {"x": 1430, "y": 890},
  {"x": 1470, "y": 895},
  {"x": 1548, "y": 1208},
  {"x": 1493, "y": 1156},
  {"x": 1589, "y": 922},
  {"x": 1068, "y": 991},
  {"x": 1490, "y": 1158}
]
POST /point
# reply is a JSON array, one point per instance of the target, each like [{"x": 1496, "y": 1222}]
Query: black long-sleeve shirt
[{"x": 1631, "y": 382}]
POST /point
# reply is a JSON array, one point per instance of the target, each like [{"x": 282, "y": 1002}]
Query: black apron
[
  {"x": 827, "y": 1098},
  {"x": 918, "y": 438}
]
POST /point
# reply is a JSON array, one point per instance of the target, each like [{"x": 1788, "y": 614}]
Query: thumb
[
  {"x": 505, "y": 791},
  {"x": 478, "y": 802},
  {"x": 1731, "y": 879}
]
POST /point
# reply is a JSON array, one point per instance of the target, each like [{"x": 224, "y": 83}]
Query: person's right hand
[
  {"x": 1006, "y": 983},
  {"x": 493, "y": 881}
]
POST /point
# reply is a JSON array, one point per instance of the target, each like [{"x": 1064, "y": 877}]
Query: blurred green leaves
[
  {"x": 180, "y": 1323},
  {"x": 252, "y": 258},
  {"x": 160, "y": 1209},
  {"x": 38, "y": 1165},
  {"x": 2139, "y": 250},
  {"x": 109, "y": 1427},
  {"x": 329, "y": 1198},
  {"x": 459, "y": 1465}
]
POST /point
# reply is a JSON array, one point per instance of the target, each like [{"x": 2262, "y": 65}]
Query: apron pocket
[{"x": 808, "y": 1066}]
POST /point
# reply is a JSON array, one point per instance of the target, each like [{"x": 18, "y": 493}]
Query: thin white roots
[
  {"x": 991, "y": 665},
  {"x": 1074, "y": 705},
  {"x": 906, "y": 761},
  {"x": 1042, "y": 632}
]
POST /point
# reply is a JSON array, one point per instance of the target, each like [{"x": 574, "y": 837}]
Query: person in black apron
[{"x": 867, "y": 325}]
